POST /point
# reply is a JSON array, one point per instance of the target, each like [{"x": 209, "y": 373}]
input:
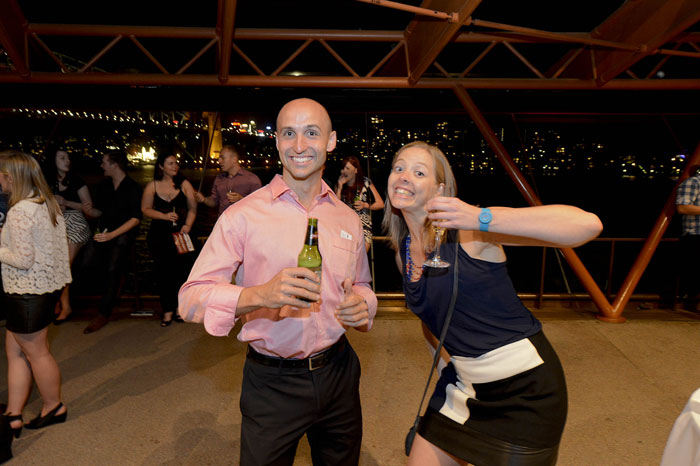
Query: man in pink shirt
[
  {"x": 232, "y": 184},
  {"x": 301, "y": 375}
]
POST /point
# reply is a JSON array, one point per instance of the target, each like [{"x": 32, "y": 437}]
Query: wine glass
[{"x": 436, "y": 261}]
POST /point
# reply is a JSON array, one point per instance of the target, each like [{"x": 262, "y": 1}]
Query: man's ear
[{"x": 331, "y": 142}]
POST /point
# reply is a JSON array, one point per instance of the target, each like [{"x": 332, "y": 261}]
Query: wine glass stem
[{"x": 438, "y": 240}]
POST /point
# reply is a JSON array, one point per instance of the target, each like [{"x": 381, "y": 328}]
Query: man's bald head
[{"x": 301, "y": 108}]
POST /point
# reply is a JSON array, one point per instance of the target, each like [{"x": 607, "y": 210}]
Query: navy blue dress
[{"x": 502, "y": 399}]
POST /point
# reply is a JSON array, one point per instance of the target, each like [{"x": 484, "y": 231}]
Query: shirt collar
[
  {"x": 279, "y": 187},
  {"x": 226, "y": 174}
]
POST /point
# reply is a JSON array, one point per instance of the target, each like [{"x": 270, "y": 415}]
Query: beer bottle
[{"x": 310, "y": 257}]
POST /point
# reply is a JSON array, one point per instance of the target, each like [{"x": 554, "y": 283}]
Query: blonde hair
[
  {"x": 394, "y": 223},
  {"x": 28, "y": 182}
]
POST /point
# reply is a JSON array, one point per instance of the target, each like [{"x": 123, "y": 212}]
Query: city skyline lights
[{"x": 534, "y": 148}]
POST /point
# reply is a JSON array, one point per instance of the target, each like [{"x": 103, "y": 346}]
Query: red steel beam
[
  {"x": 524, "y": 187},
  {"x": 426, "y": 38},
  {"x": 372, "y": 35},
  {"x": 13, "y": 35},
  {"x": 226, "y": 39},
  {"x": 148, "y": 54},
  {"x": 348, "y": 81},
  {"x": 648, "y": 23},
  {"x": 554, "y": 36},
  {"x": 528, "y": 35},
  {"x": 100, "y": 54},
  {"x": 414, "y": 9},
  {"x": 652, "y": 242}
]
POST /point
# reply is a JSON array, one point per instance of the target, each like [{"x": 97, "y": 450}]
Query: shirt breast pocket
[{"x": 343, "y": 260}]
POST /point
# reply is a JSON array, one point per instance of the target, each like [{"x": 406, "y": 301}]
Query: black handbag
[{"x": 412, "y": 431}]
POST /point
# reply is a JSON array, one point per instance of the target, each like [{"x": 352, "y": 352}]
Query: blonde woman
[
  {"x": 502, "y": 398},
  {"x": 35, "y": 268}
]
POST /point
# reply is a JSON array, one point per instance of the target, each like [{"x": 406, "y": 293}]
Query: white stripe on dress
[{"x": 501, "y": 363}]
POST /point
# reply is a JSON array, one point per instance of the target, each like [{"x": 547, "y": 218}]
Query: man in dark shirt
[{"x": 118, "y": 207}]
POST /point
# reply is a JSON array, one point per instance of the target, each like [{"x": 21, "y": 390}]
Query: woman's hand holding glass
[
  {"x": 439, "y": 229},
  {"x": 450, "y": 212}
]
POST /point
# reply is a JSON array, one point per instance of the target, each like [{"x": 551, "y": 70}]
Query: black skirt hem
[{"x": 480, "y": 449}]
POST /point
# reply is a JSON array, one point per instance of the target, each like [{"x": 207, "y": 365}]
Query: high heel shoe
[
  {"x": 6, "y": 433},
  {"x": 50, "y": 419},
  {"x": 177, "y": 318},
  {"x": 16, "y": 431},
  {"x": 58, "y": 321}
]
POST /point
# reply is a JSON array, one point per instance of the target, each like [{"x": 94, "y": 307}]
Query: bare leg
[
  {"x": 35, "y": 347},
  {"x": 64, "y": 301},
  {"x": 424, "y": 453},
  {"x": 19, "y": 378}
]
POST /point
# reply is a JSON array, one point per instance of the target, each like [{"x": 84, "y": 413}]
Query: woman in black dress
[{"x": 169, "y": 200}]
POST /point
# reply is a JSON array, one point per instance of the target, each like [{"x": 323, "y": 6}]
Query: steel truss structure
[{"x": 439, "y": 44}]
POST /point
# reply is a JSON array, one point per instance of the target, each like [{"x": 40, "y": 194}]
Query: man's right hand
[
  {"x": 198, "y": 196},
  {"x": 283, "y": 289}
]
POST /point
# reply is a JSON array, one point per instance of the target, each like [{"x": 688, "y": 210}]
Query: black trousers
[
  {"x": 280, "y": 405},
  {"x": 106, "y": 261},
  {"x": 689, "y": 285}
]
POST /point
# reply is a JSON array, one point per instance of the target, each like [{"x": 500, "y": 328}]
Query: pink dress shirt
[{"x": 256, "y": 238}]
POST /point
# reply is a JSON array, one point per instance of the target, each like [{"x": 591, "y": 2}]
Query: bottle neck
[{"x": 311, "y": 235}]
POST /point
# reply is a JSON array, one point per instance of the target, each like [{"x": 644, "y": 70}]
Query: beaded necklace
[{"x": 409, "y": 261}]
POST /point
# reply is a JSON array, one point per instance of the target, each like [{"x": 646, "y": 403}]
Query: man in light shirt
[{"x": 301, "y": 375}]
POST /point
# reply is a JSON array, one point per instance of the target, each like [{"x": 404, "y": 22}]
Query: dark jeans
[
  {"x": 689, "y": 268},
  {"x": 107, "y": 262},
  {"x": 280, "y": 405}
]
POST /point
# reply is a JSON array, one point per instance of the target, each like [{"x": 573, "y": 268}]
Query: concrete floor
[{"x": 138, "y": 394}]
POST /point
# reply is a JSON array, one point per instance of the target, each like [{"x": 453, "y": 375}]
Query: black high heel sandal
[
  {"x": 165, "y": 323},
  {"x": 6, "y": 434},
  {"x": 50, "y": 419},
  {"x": 16, "y": 431}
]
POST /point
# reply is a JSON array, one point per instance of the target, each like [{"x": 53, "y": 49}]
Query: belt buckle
[{"x": 318, "y": 357}]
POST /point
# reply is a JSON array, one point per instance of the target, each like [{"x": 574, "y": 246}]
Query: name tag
[{"x": 345, "y": 235}]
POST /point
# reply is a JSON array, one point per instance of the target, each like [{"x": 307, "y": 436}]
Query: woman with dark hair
[
  {"x": 501, "y": 400},
  {"x": 169, "y": 200},
  {"x": 358, "y": 192},
  {"x": 35, "y": 267},
  {"x": 73, "y": 196}
]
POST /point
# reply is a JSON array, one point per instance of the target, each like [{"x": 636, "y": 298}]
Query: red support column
[
  {"x": 571, "y": 257},
  {"x": 652, "y": 242}
]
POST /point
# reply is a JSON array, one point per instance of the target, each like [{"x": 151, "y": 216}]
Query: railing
[
  {"x": 612, "y": 275},
  {"x": 609, "y": 271}
]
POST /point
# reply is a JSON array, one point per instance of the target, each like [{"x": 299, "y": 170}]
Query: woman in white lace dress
[{"x": 35, "y": 268}]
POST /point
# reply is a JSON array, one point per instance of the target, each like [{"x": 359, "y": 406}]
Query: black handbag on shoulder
[{"x": 412, "y": 431}]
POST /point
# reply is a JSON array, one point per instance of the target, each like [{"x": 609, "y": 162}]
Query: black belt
[{"x": 311, "y": 363}]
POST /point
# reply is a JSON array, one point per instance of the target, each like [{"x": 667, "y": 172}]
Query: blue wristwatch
[{"x": 485, "y": 218}]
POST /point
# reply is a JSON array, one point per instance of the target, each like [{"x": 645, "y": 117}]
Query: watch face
[{"x": 484, "y": 217}]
